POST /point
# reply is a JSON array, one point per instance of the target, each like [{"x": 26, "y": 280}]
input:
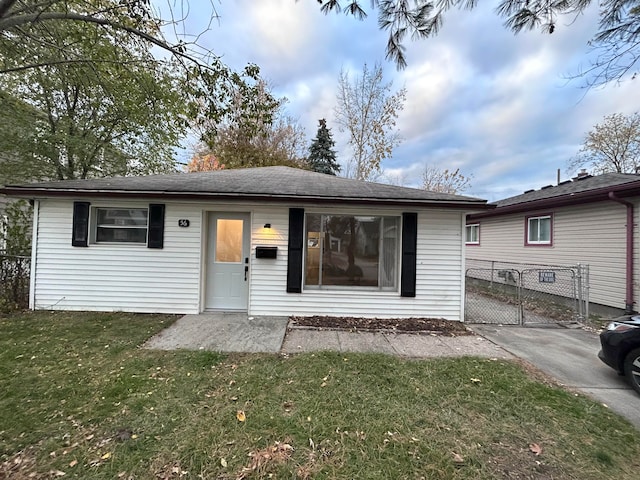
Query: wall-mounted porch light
[{"x": 267, "y": 225}]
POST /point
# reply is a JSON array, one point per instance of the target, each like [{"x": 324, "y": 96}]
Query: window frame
[
  {"x": 358, "y": 288},
  {"x": 94, "y": 225},
  {"x": 538, "y": 243},
  {"x": 472, "y": 242}
]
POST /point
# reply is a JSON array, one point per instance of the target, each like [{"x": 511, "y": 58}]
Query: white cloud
[{"x": 496, "y": 105}]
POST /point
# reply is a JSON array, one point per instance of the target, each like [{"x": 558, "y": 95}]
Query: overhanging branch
[{"x": 20, "y": 20}]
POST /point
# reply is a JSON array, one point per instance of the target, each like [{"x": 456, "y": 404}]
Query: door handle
[{"x": 246, "y": 270}]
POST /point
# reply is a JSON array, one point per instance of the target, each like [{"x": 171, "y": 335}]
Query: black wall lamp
[{"x": 267, "y": 225}]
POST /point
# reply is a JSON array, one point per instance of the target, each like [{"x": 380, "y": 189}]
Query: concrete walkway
[
  {"x": 401, "y": 344},
  {"x": 235, "y": 332},
  {"x": 223, "y": 332},
  {"x": 569, "y": 356}
]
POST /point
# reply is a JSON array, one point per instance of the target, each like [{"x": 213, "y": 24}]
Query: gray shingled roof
[
  {"x": 571, "y": 188},
  {"x": 264, "y": 183}
]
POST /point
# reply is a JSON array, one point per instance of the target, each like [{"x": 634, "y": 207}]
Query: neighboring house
[
  {"x": 591, "y": 220},
  {"x": 268, "y": 241}
]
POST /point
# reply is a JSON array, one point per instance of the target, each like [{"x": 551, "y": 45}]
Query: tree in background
[
  {"x": 256, "y": 132},
  {"x": 435, "y": 179},
  {"x": 15, "y": 229},
  {"x": 367, "y": 109},
  {"x": 612, "y": 146},
  {"x": 77, "y": 121},
  {"x": 617, "y": 41},
  {"x": 322, "y": 156},
  {"x": 87, "y": 97},
  {"x": 203, "y": 163}
]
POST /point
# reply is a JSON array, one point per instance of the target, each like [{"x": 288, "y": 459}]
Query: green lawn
[{"x": 79, "y": 397}]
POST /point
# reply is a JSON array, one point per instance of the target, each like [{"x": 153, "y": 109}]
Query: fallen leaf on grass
[
  {"x": 106, "y": 456},
  {"x": 73, "y": 463},
  {"x": 475, "y": 380},
  {"x": 457, "y": 458},
  {"x": 223, "y": 462},
  {"x": 261, "y": 459},
  {"x": 241, "y": 416},
  {"x": 535, "y": 449}
]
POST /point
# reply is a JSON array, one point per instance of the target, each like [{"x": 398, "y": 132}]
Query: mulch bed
[{"x": 435, "y": 326}]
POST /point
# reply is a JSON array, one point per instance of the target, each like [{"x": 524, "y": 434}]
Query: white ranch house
[{"x": 268, "y": 241}]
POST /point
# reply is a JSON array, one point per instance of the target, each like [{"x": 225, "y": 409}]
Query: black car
[{"x": 621, "y": 348}]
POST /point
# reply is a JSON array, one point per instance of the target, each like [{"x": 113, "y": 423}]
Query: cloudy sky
[{"x": 499, "y": 107}]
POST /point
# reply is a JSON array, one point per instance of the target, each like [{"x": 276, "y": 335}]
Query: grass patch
[{"x": 79, "y": 396}]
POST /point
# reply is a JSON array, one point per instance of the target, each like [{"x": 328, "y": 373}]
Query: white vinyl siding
[
  {"x": 134, "y": 278},
  {"x": 127, "y": 277},
  {"x": 592, "y": 234},
  {"x": 439, "y": 281}
]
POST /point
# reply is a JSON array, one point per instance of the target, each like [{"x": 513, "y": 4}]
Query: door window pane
[{"x": 228, "y": 240}]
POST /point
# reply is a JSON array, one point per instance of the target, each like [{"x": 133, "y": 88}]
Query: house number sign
[{"x": 183, "y": 222}]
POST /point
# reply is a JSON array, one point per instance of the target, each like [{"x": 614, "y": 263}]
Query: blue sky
[{"x": 495, "y": 105}]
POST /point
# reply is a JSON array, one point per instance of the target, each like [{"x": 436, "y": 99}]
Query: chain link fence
[
  {"x": 517, "y": 294},
  {"x": 14, "y": 282}
]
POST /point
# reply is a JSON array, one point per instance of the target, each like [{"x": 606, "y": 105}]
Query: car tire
[{"x": 632, "y": 368}]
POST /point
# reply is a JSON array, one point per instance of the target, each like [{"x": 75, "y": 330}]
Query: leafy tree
[
  {"x": 367, "y": 109},
  {"x": 137, "y": 22},
  {"x": 243, "y": 139},
  {"x": 81, "y": 126},
  {"x": 15, "y": 228},
  {"x": 435, "y": 179},
  {"x": 87, "y": 96},
  {"x": 612, "y": 146},
  {"x": 203, "y": 163},
  {"x": 618, "y": 38},
  {"x": 322, "y": 156}
]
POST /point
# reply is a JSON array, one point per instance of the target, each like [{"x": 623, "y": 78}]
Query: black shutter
[
  {"x": 156, "y": 226},
  {"x": 80, "y": 233},
  {"x": 409, "y": 247},
  {"x": 296, "y": 243}
]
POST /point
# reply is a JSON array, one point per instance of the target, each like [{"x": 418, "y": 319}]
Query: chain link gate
[{"x": 518, "y": 294}]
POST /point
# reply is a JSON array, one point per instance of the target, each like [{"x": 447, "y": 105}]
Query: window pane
[
  {"x": 545, "y": 229},
  {"x": 347, "y": 251},
  {"x": 471, "y": 234},
  {"x": 388, "y": 273},
  {"x": 314, "y": 247},
  {"x": 228, "y": 240},
  {"x": 122, "y": 217},
  {"x": 126, "y": 235},
  {"x": 533, "y": 230},
  {"x": 350, "y": 250}
]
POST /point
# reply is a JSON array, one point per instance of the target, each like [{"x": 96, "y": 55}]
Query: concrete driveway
[{"x": 569, "y": 356}]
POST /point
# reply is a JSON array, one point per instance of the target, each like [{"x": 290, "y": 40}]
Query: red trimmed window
[
  {"x": 472, "y": 234},
  {"x": 539, "y": 230}
]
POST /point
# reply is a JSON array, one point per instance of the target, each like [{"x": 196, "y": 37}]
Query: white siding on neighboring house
[
  {"x": 138, "y": 279},
  {"x": 592, "y": 234}
]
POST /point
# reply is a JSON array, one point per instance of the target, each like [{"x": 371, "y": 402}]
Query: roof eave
[
  {"x": 596, "y": 195},
  {"x": 35, "y": 193}
]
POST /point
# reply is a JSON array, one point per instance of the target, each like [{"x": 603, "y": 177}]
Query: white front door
[{"x": 227, "y": 286}]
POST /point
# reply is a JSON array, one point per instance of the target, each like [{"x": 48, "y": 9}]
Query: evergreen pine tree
[{"x": 322, "y": 156}]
